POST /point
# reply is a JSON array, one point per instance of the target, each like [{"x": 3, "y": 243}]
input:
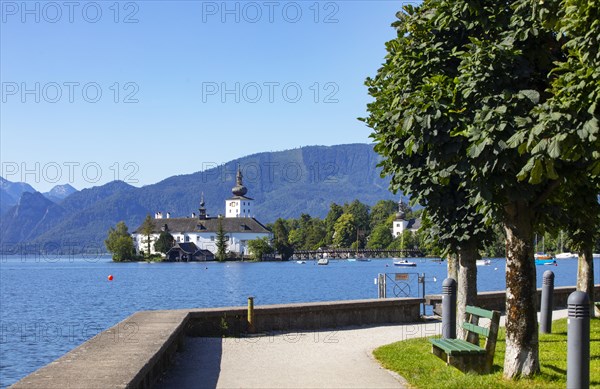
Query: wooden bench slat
[
  {"x": 479, "y": 312},
  {"x": 476, "y": 329},
  {"x": 457, "y": 346}
]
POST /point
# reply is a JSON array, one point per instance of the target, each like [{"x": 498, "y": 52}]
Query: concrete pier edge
[{"x": 135, "y": 352}]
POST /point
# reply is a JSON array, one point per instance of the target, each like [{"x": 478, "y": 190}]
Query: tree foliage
[
  {"x": 164, "y": 242},
  {"x": 260, "y": 247},
  {"x": 221, "y": 242},
  {"x": 463, "y": 117},
  {"x": 344, "y": 231},
  {"x": 147, "y": 229},
  {"x": 120, "y": 243}
]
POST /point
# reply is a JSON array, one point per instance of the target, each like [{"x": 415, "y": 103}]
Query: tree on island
[
  {"x": 460, "y": 96},
  {"x": 259, "y": 247},
  {"x": 164, "y": 243},
  {"x": 119, "y": 243},
  {"x": 221, "y": 242},
  {"x": 147, "y": 229}
]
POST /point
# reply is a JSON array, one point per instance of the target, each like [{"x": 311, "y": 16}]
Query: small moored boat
[
  {"x": 565, "y": 256},
  {"x": 323, "y": 261},
  {"x": 546, "y": 262},
  {"x": 404, "y": 262},
  {"x": 301, "y": 262},
  {"x": 483, "y": 262}
]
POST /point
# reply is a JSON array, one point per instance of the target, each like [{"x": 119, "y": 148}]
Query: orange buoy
[{"x": 110, "y": 277}]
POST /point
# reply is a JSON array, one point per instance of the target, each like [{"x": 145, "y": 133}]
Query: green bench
[{"x": 467, "y": 355}]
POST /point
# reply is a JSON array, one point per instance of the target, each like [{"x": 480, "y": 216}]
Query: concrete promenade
[{"x": 321, "y": 359}]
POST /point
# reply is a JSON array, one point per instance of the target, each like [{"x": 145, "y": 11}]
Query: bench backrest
[
  {"x": 472, "y": 326},
  {"x": 490, "y": 333}
]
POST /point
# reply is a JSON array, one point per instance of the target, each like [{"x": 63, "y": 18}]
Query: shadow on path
[{"x": 198, "y": 365}]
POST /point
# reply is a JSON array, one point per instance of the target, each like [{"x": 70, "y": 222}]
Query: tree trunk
[
  {"x": 522, "y": 349},
  {"x": 453, "y": 267},
  {"x": 467, "y": 283},
  {"x": 585, "y": 273}
]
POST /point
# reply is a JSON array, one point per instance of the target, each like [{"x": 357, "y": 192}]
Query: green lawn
[{"x": 413, "y": 360}]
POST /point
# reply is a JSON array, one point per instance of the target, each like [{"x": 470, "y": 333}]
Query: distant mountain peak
[{"x": 60, "y": 192}]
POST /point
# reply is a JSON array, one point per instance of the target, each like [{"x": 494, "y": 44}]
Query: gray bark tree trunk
[
  {"x": 453, "y": 267},
  {"x": 585, "y": 273},
  {"x": 522, "y": 349},
  {"x": 467, "y": 283}
]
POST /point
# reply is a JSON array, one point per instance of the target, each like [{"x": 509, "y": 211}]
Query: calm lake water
[{"x": 49, "y": 306}]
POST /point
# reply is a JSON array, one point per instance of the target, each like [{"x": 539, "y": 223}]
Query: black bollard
[
  {"x": 578, "y": 341},
  {"x": 546, "y": 306},
  {"x": 449, "y": 308}
]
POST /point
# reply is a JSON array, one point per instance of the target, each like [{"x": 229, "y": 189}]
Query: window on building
[
  {"x": 187, "y": 238},
  {"x": 179, "y": 238},
  {"x": 197, "y": 238}
]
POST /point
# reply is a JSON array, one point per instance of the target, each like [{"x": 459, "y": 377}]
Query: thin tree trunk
[
  {"x": 585, "y": 273},
  {"x": 522, "y": 349},
  {"x": 453, "y": 267},
  {"x": 467, "y": 283}
]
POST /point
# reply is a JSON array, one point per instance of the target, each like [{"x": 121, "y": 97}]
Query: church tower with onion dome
[{"x": 239, "y": 205}]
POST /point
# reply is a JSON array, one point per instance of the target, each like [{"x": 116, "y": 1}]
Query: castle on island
[{"x": 195, "y": 236}]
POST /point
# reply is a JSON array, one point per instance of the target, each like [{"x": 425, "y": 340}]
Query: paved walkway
[{"x": 325, "y": 359}]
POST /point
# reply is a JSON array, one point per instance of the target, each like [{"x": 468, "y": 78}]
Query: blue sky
[{"x": 183, "y": 84}]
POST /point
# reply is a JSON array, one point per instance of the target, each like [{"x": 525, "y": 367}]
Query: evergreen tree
[
  {"x": 221, "y": 242},
  {"x": 280, "y": 239},
  {"x": 147, "y": 229}
]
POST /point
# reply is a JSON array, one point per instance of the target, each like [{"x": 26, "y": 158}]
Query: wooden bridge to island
[{"x": 353, "y": 253}]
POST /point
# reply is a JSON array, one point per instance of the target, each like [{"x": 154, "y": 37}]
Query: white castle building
[
  {"x": 401, "y": 224},
  {"x": 195, "y": 237}
]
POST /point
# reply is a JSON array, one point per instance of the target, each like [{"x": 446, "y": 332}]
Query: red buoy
[{"x": 110, "y": 277}]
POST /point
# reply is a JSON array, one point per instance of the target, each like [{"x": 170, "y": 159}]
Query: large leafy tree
[
  {"x": 416, "y": 116},
  {"x": 280, "y": 239},
  {"x": 344, "y": 231},
  {"x": 567, "y": 133},
  {"x": 164, "y": 242},
  {"x": 454, "y": 101},
  {"x": 259, "y": 247},
  {"x": 120, "y": 243},
  {"x": 381, "y": 237}
]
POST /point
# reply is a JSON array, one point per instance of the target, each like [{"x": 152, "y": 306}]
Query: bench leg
[
  {"x": 438, "y": 352},
  {"x": 468, "y": 363}
]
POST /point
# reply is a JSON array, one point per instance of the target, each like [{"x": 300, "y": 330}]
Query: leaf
[{"x": 536, "y": 173}]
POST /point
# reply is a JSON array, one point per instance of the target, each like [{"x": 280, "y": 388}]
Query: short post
[
  {"x": 449, "y": 308},
  {"x": 251, "y": 314},
  {"x": 546, "y": 305},
  {"x": 578, "y": 341}
]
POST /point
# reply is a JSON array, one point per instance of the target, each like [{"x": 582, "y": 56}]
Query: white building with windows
[
  {"x": 401, "y": 224},
  {"x": 193, "y": 235}
]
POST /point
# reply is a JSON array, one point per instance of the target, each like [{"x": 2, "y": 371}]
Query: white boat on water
[
  {"x": 351, "y": 259},
  {"x": 483, "y": 262},
  {"x": 323, "y": 261},
  {"x": 565, "y": 256},
  {"x": 404, "y": 262},
  {"x": 301, "y": 262},
  {"x": 596, "y": 255}
]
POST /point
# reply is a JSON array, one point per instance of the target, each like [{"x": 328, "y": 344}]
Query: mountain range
[{"x": 283, "y": 184}]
